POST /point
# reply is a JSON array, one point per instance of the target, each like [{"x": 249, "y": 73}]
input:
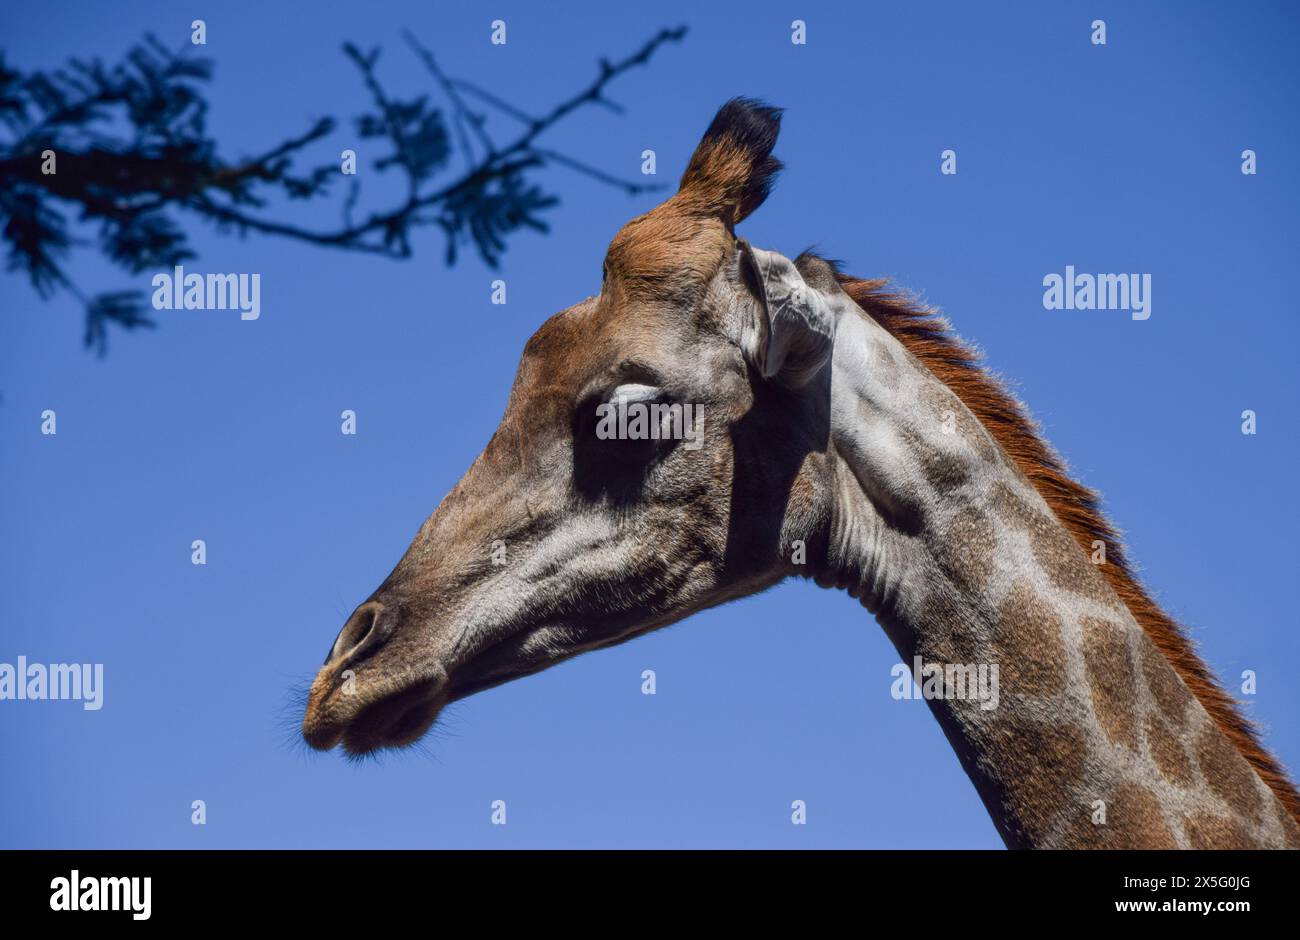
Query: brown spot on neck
[
  {"x": 1167, "y": 752},
  {"x": 1227, "y": 773},
  {"x": 1028, "y": 647},
  {"x": 1170, "y": 695},
  {"x": 1111, "y": 679}
]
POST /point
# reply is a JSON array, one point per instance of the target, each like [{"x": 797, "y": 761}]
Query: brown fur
[
  {"x": 733, "y": 169},
  {"x": 930, "y": 338}
]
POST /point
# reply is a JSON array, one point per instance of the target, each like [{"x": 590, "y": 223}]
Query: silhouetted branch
[
  {"x": 127, "y": 147},
  {"x": 499, "y": 165}
]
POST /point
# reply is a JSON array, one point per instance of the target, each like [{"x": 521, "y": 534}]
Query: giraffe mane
[{"x": 931, "y": 339}]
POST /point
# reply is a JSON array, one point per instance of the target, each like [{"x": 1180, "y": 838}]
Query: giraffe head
[{"x": 659, "y": 453}]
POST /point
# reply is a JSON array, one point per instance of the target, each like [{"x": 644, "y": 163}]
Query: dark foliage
[{"x": 135, "y": 164}]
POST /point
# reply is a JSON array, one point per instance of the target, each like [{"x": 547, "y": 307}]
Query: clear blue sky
[{"x": 1119, "y": 158}]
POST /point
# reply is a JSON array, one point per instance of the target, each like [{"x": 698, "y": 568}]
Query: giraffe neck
[{"x": 1092, "y": 738}]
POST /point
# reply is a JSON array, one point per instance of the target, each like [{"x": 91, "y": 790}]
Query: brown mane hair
[{"x": 930, "y": 338}]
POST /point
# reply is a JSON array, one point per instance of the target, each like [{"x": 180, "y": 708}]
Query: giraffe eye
[{"x": 632, "y": 424}]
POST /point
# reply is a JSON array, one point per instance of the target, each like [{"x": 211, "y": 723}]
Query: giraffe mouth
[
  {"x": 396, "y": 721},
  {"x": 400, "y": 716}
]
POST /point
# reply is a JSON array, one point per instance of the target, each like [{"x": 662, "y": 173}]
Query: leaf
[
  {"x": 146, "y": 240},
  {"x": 124, "y": 308},
  {"x": 36, "y": 234}
]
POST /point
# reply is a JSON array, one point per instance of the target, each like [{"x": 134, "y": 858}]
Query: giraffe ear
[
  {"x": 791, "y": 330},
  {"x": 733, "y": 169}
]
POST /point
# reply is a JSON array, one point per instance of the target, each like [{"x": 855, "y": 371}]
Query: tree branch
[{"x": 129, "y": 183}]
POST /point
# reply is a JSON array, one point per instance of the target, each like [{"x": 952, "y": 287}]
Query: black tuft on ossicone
[{"x": 733, "y": 163}]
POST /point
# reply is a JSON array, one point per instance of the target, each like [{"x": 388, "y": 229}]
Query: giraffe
[{"x": 845, "y": 435}]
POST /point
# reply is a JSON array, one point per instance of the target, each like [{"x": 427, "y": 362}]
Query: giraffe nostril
[{"x": 359, "y": 633}]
